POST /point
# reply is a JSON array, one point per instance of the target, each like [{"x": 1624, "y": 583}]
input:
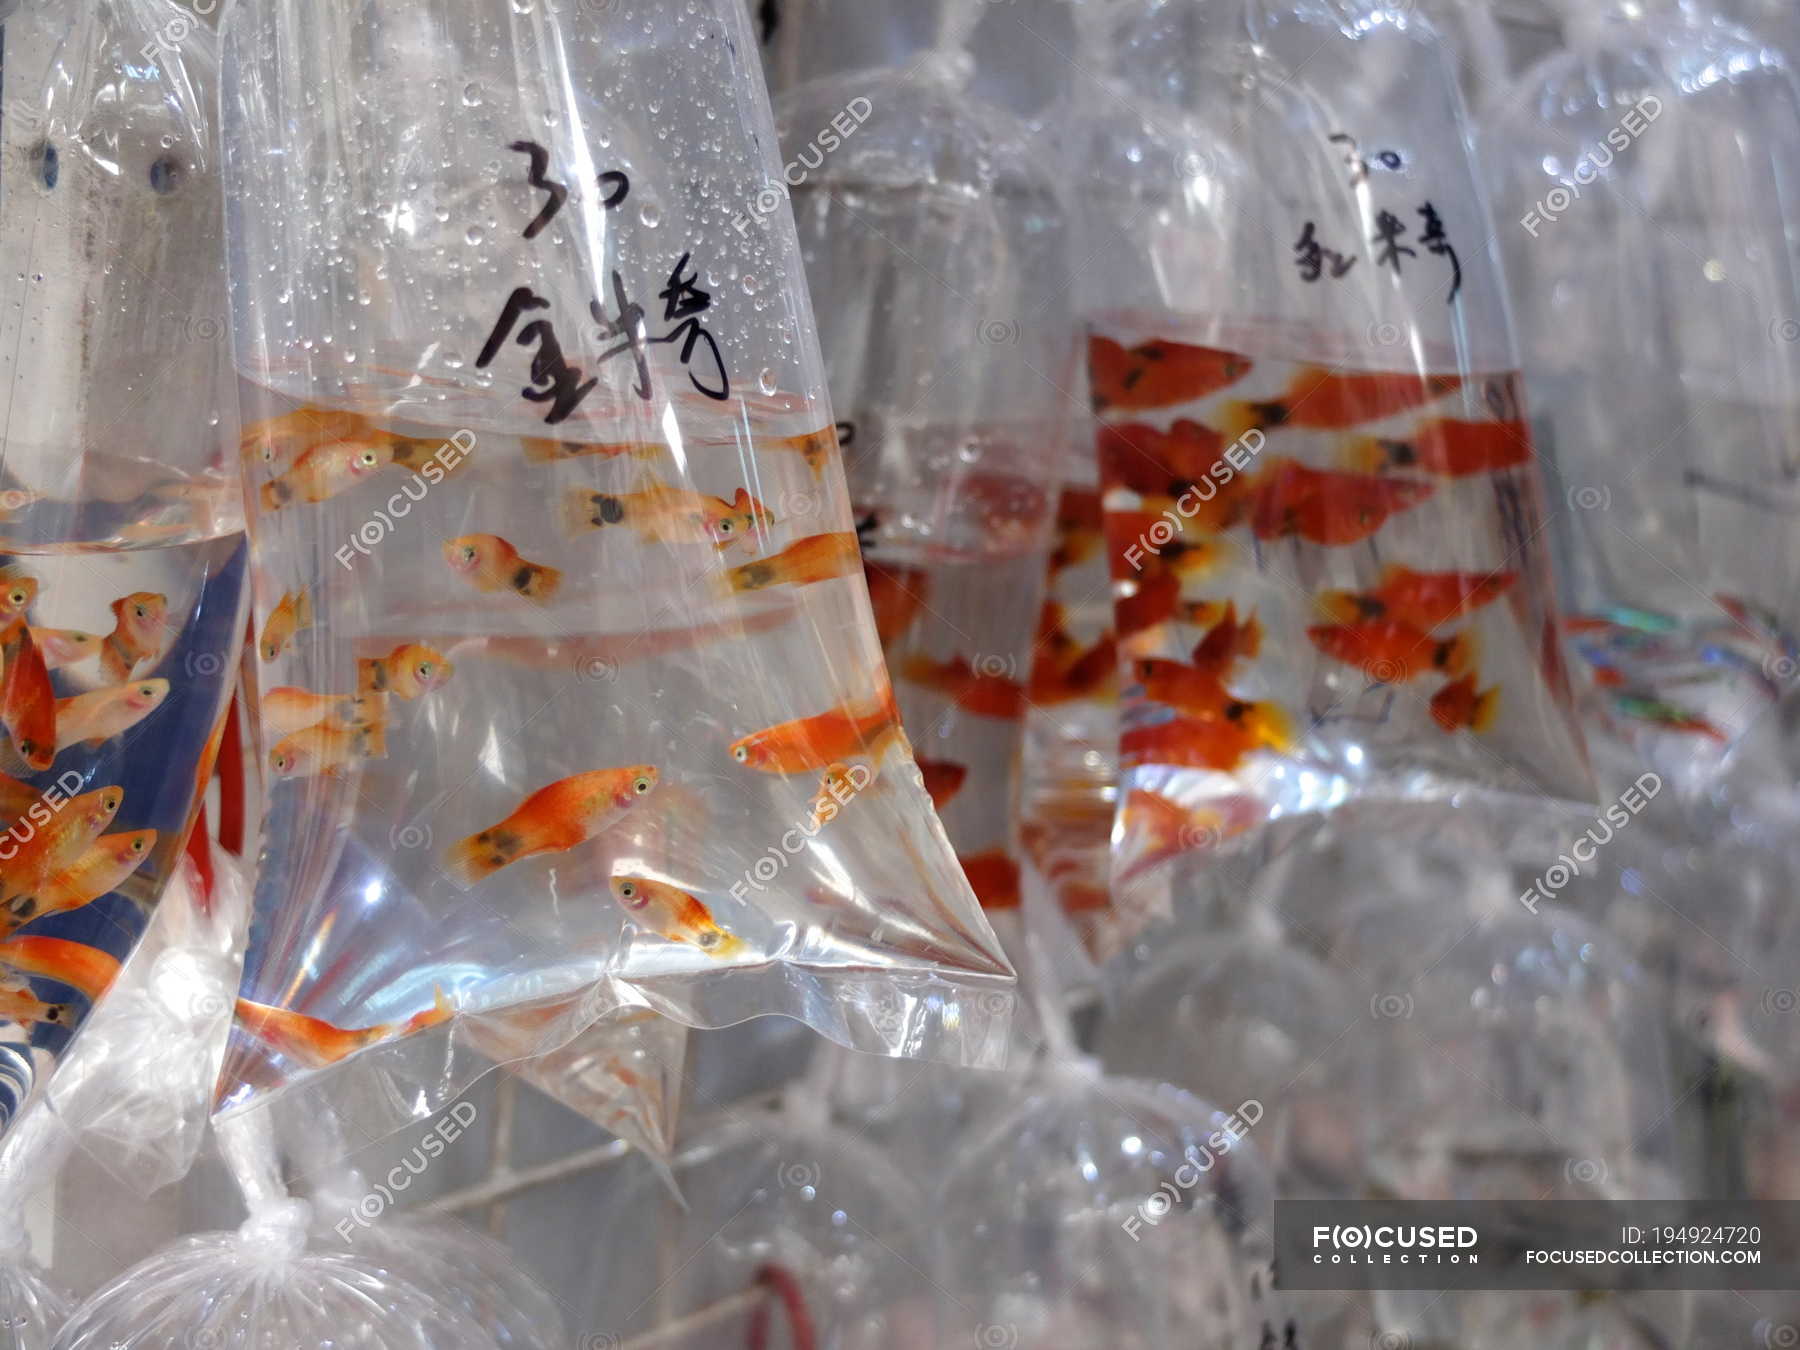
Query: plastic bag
[
  {"x": 35, "y": 1305},
  {"x": 1323, "y": 512},
  {"x": 124, "y": 589},
  {"x": 557, "y": 574}
]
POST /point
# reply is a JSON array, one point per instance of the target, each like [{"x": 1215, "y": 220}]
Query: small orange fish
[
  {"x": 543, "y": 450},
  {"x": 85, "y": 969},
  {"x": 1200, "y": 697},
  {"x": 815, "y": 448},
  {"x": 1229, "y": 641},
  {"x": 672, "y": 913},
  {"x": 984, "y": 693},
  {"x": 943, "y": 779},
  {"x": 1424, "y": 600},
  {"x": 140, "y": 632},
  {"x": 855, "y": 729},
  {"x": 293, "y": 614},
  {"x": 16, "y": 798},
  {"x": 19, "y": 1004},
  {"x": 275, "y": 440},
  {"x": 1158, "y": 374},
  {"x": 1190, "y": 464},
  {"x": 65, "y": 647},
  {"x": 1157, "y": 600},
  {"x": 286, "y": 710},
  {"x": 327, "y": 470},
  {"x": 327, "y": 749},
  {"x": 488, "y": 563},
  {"x": 1326, "y": 400},
  {"x": 1080, "y": 528},
  {"x": 896, "y": 594},
  {"x": 316, "y": 1043},
  {"x": 34, "y": 851},
  {"x": 1143, "y": 544},
  {"x": 18, "y": 589},
  {"x": 108, "y": 861},
  {"x": 1329, "y": 508},
  {"x": 1220, "y": 743},
  {"x": 658, "y": 513},
  {"x": 1389, "y": 652},
  {"x": 1458, "y": 705},
  {"x": 99, "y": 715},
  {"x": 1447, "y": 446},
  {"x": 994, "y": 877},
  {"x": 1158, "y": 828},
  {"x": 818, "y": 557},
  {"x": 837, "y": 785},
  {"x": 1066, "y": 672},
  {"x": 410, "y": 671},
  {"x": 28, "y": 706},
  {"x": 554, "y": 819}
]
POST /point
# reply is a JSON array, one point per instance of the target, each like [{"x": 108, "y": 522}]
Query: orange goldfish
[
  {"x": 28, "y": 706},
  {"x": 984, "y": 693},
  {"x": 994, "y": 877},
  {"x": 327, "y": 470},
  {"x": 1070, "y": 674},
  {"x": 140, "y": 631},
  {"x": 896, "y": 594},
  {"x": 83, "y": 968},
  {"x": 809, "y": 744},
  {"x": 1220, "y": 743},
  {"x": 286, "y": 710},
  {"x": 108, "y": 861},
  {"x": 1157, "y": 600},
  {"x": 64, "y": 647},
  {"x": 658, "y": 513},
  {"x": 98, "y": 716},
  {"x": 293, "y": 614},
  {"x": 818, "y": 557},
  {"x": 1425, "y": 600},
  {"x": 1160, "y": 828},
  {"x": 491, "y": 564},
  {"x": 410, "y": 671},
  {"x": 837, "y": 785},
  {"x": 1190, "y": 464},
  {"x": 1447, "y": 446},
  {"x": 19, "y": 1004},
  {"x": 554, "y": 819},
  {"x": 1329, "y": 508},
  {"x": 672, "y": 913},
  {"x": 543, "y": 450},
  {"x": 316, "y": 1043},
  {"x": 943, "y": 779},
  {"x": 1158, "y": 374},
  {"x": 1458, "y": 705},
  {"x": 327, "y": 749},
  {"x": 1200, "y": 697},
  {"x": 1327, "y": 400},
  {"x": 1080, "y": 528},
  {"x": 1186, "y": 549},
  {"x": 1390, "y": 652},
  {"x": 1228, "y": 641},
  {"x": 29, "y": 855},
  {"x": 18, "y": 588},
  {"x": 274, "y": 440},
  {"x": 16, "y": 798},
  {"x": 815, "y": 448}
]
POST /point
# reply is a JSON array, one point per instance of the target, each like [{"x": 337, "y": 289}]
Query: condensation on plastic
[
  {"x": 1646, "y": 212},
  {"x": 30, "y": 1159},
  {"x": 591, "y": 567},
  {"x": 139, "y": 1086},
  {"x": 935, "y": 249},
  {"x": 819, "y": 39},
  {"x": 122, "y": 529},
  {"x": 1299, "y": 420}
]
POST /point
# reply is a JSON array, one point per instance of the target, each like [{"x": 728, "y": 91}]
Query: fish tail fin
[
  {"x": 1458, "y": 653},
  {"x": 1339, "y": 608},
  {"x": 371, "y": 740},
  {"x": 303, "y": 609},
  {"x": 540, "y": 449},
  {"x": 475, "y": 858},
  {"x": 581, "y": 510},
  {"x": 1487, "y": 707},
  {"x": 1250, "y": 639},
  {"x": 371, "y": 676},
  {"x": 275, "y": 494},
  {"x": 1365, "y": 454},
  {"x": 1274, "y": 727},
  {"x": 728, "y": 945},
  {"x": 1239, "y": 418},
  {"x": 542, "y": 583}
]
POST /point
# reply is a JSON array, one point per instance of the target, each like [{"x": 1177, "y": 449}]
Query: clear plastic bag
[
  {"x": 124, "y": 585},
  {"x": 572, "y": 684},
  {"x": 35, "y": 1306},
  {"x": 1324, "y": 516}
]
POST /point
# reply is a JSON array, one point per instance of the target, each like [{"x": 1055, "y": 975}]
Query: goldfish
[
  {"x": 140, "y": 630},
  {"x": 410, "y": 671},
  {"x": 1325, "y": 507},
  {"x": 1222, "y": 742},
  {"x": 1199, "y": 696},
  {"x": 16, "y": 797},
  {"x": 1158, "y": 374},
  {"x": 818, "y": 557},
  {"x": 1068, "y": 674},
  {"x": 64, "y": 647},
  {"x": 86, "y": 969},
  {"x": 658, "y": 513},
  {"x": 18, "y": 588},
  {"x": 815, "y": 448},
  {"x": 1424, "y": 600},
  {"x": 1160, "y": 828},
  {"x": 327, "y": 749},
  {"x": 543, "y": 450},
  {"x": 1143, "y": 544},
  {"x": 1228, "y": 641},
  {"x": 286, "y": 710},
  {"x": 108, "y": 861},
  {"x": 1190, "y": 466},
  {"x": 984, "y": 693},
  {"x": 28, "y": 706},
  {"x": 994, "y": 877},
  {"x": 275, "y": 439},
  {"x": 943, "y": 779},
  {"x": 1390, "y": 652},
  {"x": 896, "y": 594},
  {"x": 1326, "y": 400},
  {"x": 55, "y": 840},
  {"x": 810, "y": 744},
  {"x": 837, "y": 785},
  {"x": 1458, "y": 705},
  {"x": 293, "y": 614},
  {"x": 1080, "y": 528},
  {"x": 490, "y": 564},
  {"x": 1448, "y": 447},
  {"x": 1667, "y": 716},
  {"x": 19, "y": 1004},
  {"x": 316, "y": 1043},
  {"x": 101, "y": 714},
  {"x": 554, "y": 819},
  {"x": 672, "y": 913},
  {"x": 1155, "y": 599},
  {"x": 325, "y": 471},
  {"x": 430, "y": 456}
]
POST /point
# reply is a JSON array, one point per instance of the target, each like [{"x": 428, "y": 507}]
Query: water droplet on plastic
[
  {"x": 767, "y": 381},
  {"x": 472, "y": 95},
  {"x": 750, "y": 284},
  {"x": 650, "y": 215},
  {"x": 474, "y": 234}
]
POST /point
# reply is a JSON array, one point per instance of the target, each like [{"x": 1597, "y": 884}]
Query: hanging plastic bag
[
  {"x": 122, "y": 592},
  {"x": 1323, "y": 512},
  {"x": 31, "y": 1158},
  {"x": 571, "y": 681}
]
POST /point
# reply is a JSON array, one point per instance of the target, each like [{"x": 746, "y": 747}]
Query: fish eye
[
  {"x": 423, "y": 670},
  {"x": 627, "y": 890},
  {"x": 367, "y": 457},
  {"x": 468, "y": 553},
  {"x": 642, "y": 785},
  {"x": 725, "y": 527},
  {"x": 137, "y": 845},
  {"x": 148, "y": 690},
  {"x": 741, "y": 753},
  {"x": 143, "y": 612},
  {"x": 18, "y": 597}
]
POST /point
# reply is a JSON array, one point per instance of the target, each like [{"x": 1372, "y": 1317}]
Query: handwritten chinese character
[
  {"x": 1389, "y": 230},
  {"x": 683, "y": 303},
  {"x": 538, "y": 178},
  {"x": 628, "y": 326},
  {"x": 553, "y": 379},
  {"x": 1437, "y": 243},
  {"x": 1313, "y": 258}
]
